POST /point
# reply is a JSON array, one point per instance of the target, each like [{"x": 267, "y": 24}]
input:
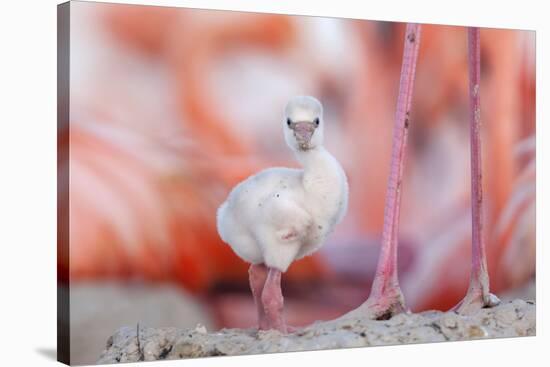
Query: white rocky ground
[{"x": 510, "y": 319}]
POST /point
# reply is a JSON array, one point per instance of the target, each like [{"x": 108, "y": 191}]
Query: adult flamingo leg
[
  {"x": 478, "y": 294},
  {"x": 386, "y": 298}
]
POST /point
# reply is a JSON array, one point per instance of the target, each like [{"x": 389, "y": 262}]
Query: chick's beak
[{"x": 303, "y": 132}]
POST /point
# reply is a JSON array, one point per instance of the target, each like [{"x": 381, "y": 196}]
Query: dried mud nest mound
[{"x": 140, "y": 343}]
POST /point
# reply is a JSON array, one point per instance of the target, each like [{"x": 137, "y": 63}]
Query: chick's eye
[
  {"x": 288, "y": 122},
  {"x": 316, "y": 121}
]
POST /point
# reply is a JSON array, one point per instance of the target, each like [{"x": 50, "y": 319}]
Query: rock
[
  {"x": 516, "y": 318},
  {"x": 98, "y": 308}
]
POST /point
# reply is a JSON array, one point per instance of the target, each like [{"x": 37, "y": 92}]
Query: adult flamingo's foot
[
  {"x": 476, "y": 299},
  {"x": 473, "y": 302},
  {"x": 380, "y": 306},
  {"x": 292, "y": 329}
]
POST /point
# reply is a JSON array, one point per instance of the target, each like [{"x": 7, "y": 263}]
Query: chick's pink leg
[
  {"x": 272, "y": 300},
  {"x": 257, "y": 275}
]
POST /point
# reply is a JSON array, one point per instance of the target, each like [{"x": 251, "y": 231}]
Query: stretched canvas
[{"x": 235, "y": 183}]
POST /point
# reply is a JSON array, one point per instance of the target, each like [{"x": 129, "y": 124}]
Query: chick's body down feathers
[{"x": 282, "y": 214}]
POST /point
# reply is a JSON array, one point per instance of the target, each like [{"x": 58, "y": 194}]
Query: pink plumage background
[{"x": 171, "y": 107}]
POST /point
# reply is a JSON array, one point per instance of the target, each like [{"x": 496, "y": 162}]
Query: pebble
[{"x": 449, "y": 321}]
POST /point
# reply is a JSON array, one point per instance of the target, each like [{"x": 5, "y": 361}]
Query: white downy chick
[{"x": 280, "y": 215}]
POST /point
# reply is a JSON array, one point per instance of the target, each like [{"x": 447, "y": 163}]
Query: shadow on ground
[{"x": 50, "y": 353}]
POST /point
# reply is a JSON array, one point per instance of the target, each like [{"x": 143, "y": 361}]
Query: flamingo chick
[{"x": 280, "y": 215}]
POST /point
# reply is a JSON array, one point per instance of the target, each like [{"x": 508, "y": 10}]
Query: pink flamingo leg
[
  {"x": 386, "y": 298},
  {"x": 478, "y": 294},
  {"x": 258, "y": 275},
  {"x": 272, "y": 300}
]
